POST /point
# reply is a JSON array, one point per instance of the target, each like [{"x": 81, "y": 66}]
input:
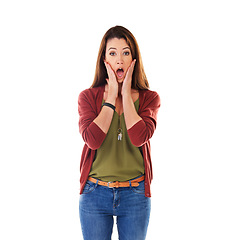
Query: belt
[{"x": 134, "y": 183}]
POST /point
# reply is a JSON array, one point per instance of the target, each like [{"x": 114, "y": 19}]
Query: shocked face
[{"x": 118, "y": 55}]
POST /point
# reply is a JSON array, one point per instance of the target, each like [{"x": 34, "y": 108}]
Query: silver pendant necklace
[{"x": 119, "y": 131}]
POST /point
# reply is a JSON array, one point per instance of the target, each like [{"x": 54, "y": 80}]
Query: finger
[
  {"x": 108, "y": 67},
  {"x": 133, "y": 64},
  {"x": 131, "y": 67},
  {"x": 110, "y": 72}
]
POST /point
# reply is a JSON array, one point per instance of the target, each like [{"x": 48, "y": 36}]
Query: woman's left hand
[{"x": 127, "y": 83}]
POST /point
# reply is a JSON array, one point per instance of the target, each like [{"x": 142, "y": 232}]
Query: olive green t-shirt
[{"x": 117, "y": 160}]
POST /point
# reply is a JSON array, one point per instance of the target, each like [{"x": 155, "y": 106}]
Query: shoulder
[
  {"x": 91, "y": 93},
  {"x": 149, "y": 97}
]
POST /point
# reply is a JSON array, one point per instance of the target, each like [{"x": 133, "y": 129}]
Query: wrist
[
  {"x": 126, "y": 92},
  {"x": 111, "y": 100},
  {"x": 127, "y": 95},
  {"x": 109, "y": 105}
]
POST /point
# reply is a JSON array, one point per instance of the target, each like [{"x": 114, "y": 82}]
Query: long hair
[{"x": 139, "y": 79}]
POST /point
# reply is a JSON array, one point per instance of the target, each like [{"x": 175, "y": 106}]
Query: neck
[{"x": 120, "y": 89}]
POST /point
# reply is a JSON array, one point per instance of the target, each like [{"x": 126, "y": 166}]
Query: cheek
[
  {"x": 108, "y": 60},
  {"x": 129, "y": 63}
]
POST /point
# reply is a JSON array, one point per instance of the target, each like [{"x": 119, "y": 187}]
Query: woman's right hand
[
  {"x": 104, "y": 118},
  {"x": 112, "y": 84}
]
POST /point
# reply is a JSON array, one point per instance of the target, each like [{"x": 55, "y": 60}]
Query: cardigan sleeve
[
  {"x": 92, "y": 135},
  {"x": 143, "y": 130}
]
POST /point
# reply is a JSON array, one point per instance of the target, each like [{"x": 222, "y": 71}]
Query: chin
[{"x": 120, "y": 80}]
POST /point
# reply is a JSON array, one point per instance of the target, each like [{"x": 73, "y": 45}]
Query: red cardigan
[{"x": 89, "y": 106}]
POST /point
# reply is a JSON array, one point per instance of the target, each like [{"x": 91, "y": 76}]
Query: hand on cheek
[
  {"x": 127, "y": 83},
  {"x": 111, "y": 80},
  {"x": 110, "y": 72}
]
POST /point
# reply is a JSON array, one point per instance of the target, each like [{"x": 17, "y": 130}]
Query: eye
[
  {"x": 126, "y": 53},
  {"x": 112, "y": 53}
]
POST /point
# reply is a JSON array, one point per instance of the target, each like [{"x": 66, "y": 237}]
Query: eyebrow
[{"x": 116, "y": 49}]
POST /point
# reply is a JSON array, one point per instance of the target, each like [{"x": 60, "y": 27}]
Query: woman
[{"x": 117, "y": 117}]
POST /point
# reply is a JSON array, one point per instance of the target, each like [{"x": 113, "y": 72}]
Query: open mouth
[{"x": 120, "y": 72}]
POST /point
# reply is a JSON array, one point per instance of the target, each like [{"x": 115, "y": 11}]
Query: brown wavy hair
[{"x": 139, "y": 79}]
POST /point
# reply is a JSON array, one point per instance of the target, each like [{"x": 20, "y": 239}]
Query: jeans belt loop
[
  {"x": 96, "y": 183},
  {"x": 116, "y": 184}
]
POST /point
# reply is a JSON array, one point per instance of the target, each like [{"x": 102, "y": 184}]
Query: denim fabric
[{"x": 98, "y": 205}]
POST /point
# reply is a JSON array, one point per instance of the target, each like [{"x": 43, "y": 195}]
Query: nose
[{"x": 119, "y": 59}]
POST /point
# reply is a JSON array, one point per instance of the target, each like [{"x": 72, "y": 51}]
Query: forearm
[
  {"x": 104, "y": 119},
  {"x": 130, "y": 113}
]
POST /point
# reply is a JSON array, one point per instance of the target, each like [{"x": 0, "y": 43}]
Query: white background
[{"x": 191, "y": 55}]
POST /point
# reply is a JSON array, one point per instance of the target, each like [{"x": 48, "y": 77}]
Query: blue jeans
[{"x": 98, "y": 205}]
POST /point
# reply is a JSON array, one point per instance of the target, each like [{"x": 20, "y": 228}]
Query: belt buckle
[{"x": 108, "y": 184}]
